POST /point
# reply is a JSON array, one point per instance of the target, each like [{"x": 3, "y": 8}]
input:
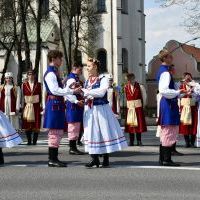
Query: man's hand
[
  {"x": 80, "y": 103},
  {"x": 183, "y": 91},
  {"x": 77, "y": 90}
]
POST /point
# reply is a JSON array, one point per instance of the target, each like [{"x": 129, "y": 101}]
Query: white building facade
[
  {"x": 120, "y": 47},
  {"x": 121, "y": 44}
]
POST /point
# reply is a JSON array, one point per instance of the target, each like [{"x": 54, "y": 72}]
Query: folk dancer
[
  {"x": 32, "y": 107},
  {"x": 102, "y": 132},
  {"x": 54, "y": 114},
  {"x": 74, "y": 109},
  {"x": 8, "y": 135},
  {"x": 135, "y": 121},
  {"x": 114, "y": 97},
  {"x": 189, "y": 113},
  {"x": 169, "y": 118},
  {"x": 10, "y": 96}
]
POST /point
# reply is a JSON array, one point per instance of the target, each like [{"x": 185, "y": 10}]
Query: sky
[{"x": 162, "y": 25}]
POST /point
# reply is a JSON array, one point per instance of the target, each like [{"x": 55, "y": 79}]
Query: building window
[
  {"x": 124, "y": 6},
  {"x": 7, "y": 8},
  {"x": 45, "y": 8},
  {"x": 102, "y": 57},
  {"x": 101, "y": 6},
  {"x": 77, "y": 56},
  {"x": 124, "y": 60}
]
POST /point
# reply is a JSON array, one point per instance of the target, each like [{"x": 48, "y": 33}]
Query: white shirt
[
  {"x": 163, "y": 86},
  {"x": 53, "y": 86},
  {"x": 70, "y": 97}
]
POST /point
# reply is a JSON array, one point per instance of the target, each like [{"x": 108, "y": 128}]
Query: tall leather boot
[
  {"x": 132, "y": 137},
  {"x": 79, "y": 137},
  {"x": 161, "y": 155},
  {"x": 167, "y": 161},
  {"x": 1, "y": 157},
  {"x": 73, "y": 148},
  {"x": 94, "y": 161},
  {"x": 29, "y": 137},
  {"x": 35, "y": 138},
  {"x": 192, "y": 140},
  {"x": 53, "y": 158},
  {"x": 105, "y": 163},
  {"x": 175, "y": 152},
  {"x": 139, "y": 139},
  {"x": 187, "y": 141}
]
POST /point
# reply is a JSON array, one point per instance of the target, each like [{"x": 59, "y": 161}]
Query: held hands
[
  {"x": 77, "y": 90},
  {"x": 80, "y": 103}
]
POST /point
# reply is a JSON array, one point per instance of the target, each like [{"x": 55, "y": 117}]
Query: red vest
[
  {"x": 36, "y": 89},
  {"x": 12, "y": 97},
  {"x": 134, "y": 94}
]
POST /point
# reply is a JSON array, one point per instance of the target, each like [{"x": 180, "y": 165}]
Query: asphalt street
[{"x": 135, "y": 174}]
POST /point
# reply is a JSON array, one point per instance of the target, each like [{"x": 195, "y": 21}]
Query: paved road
[{"x": 135, "y": 174}]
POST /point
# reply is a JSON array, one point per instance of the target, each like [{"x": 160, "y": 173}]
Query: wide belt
[
  {"x": 52, "y": 97},
  {"x": 29, "y": 113},
  {"x": 131, "y": 116},
  {"x": 186, "y": 114}
]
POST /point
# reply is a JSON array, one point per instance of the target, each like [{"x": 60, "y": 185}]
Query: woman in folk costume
[
  {"x": 8, "y": 136},
  {"x": 10, "y": 100},
  {"x": 54, "y": 116},
  {"x": 31, "y": 104},
  {"x": 189, "y": 113},
  {"x": 102, "y": 132},
  {"x": 113, "y": 97},
  {"x": 195, "y": 89},
  {"x": 169, "y": 118},
  {"x": 135, "y": 122}
]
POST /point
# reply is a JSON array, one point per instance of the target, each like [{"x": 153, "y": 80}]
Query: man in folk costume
[
  {"x": 31, "y": 103},
  {"x": 10, "y": 96},
  {"x": 54, "y": 116},
  {"x": 135, "y": 122},
  {"x": 189, "y": 113},
  {"x": 169, "y": 118},
  {"x": 74, "y": 109},
  {"x": 113, "y": 97}
]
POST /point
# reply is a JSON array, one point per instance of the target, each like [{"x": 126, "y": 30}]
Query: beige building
[{"x": 186, "y": 59}]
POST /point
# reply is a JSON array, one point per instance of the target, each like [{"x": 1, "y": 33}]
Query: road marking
[{"x": 71, "y": 165}]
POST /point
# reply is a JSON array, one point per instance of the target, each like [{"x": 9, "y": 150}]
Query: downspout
[{"x": 112, "y": 48}]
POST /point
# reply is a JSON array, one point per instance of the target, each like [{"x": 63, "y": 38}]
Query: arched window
[
  {"x": 77, "y": 56},
  {"x": 124, "y": 60},
  {"x": 101, "y": 6},
  {"x": 102, "y": 57},
  {"x": 45, "y": 8},
  {"x": 124, "y": 6}
]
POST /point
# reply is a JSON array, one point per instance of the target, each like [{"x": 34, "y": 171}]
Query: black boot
[
  {"x": 79, "y": 138},
  {"x": 192, "y": 140},
  {"x": 132, "y": 137},
  {"x": 53, "y": 158},
  {"x": 35, "y": 138},
  {"x": 73, "y": 148},
  {"x": 167, "y": 161},
  {"x": 187, "y": 141},
  {"x": 29, "y": 138},
  {"x": 161, "y": 155},
  {"x": 94, "y": 161},
  {"x": 105, "y": 163},
  {"x": 139, "y": 139},
  {"x": 175, "y": 152},
  {"x": 1, "y": 157}
]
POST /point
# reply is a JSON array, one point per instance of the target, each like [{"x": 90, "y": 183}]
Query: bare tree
[
  {"x": 192, "y": 13},
  {"x": 80, "y": 23}
]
